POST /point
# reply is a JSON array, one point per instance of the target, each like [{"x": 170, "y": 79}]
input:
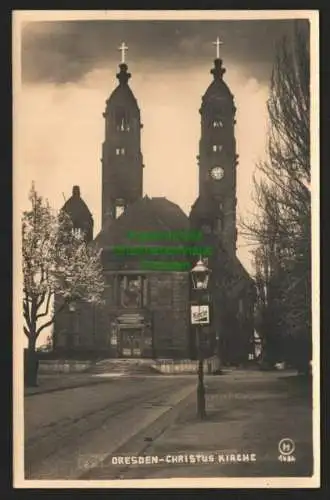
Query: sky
[{"x": 68, "y": 70}]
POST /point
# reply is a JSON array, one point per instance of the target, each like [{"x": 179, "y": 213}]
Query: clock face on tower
[{"x": 217, "y": 173}]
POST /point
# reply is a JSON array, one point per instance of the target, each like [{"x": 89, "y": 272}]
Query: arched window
[
  {"x": 77, "y": 232},
  {"x": 119, "y": 207},
  {"x": 132, "y": 291},
  {"x": 119, "y": 210},
  {"x": 122, "y": 120}
]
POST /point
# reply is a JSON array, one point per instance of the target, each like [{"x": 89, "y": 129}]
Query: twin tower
[{"x": 122, "y": 160}]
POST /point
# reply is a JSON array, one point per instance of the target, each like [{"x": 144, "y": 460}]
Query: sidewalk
[{"x": 247, "y": 413}]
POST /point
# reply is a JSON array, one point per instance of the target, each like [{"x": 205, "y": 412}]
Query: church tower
[
  {"x": 81, "y": 217},
  {"x": 217, "y": 158},
  {"x": 122, "y": 164}
]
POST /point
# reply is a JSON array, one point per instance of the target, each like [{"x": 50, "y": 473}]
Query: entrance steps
[
  {"x": 124, "y": 366},
  {"x": 151, "y": 366}
]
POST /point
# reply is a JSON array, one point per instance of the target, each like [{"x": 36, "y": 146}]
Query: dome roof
[
  {"x": 146, "y": 214},
  {"x": 77, "y": 209}
]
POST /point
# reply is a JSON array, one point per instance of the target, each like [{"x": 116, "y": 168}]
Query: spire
[
  {"x": 123, "y": 76},
  {"x": 218, "y": 71}
]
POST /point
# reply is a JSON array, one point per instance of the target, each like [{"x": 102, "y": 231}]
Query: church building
[{"x": 146, "y": 311}]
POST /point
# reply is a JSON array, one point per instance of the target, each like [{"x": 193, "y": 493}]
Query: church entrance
[
  {"x": 130, "y": 342},
  {"x": 131, "y": 336}
]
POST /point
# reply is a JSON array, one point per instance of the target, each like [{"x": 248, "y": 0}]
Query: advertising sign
[{"x": 200, "y": 315}]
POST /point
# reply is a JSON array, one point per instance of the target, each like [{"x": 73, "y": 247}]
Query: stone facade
[{"x": 162, "y": 322}]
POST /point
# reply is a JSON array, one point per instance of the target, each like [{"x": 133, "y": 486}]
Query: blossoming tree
[{"x": 56, "y": 261}]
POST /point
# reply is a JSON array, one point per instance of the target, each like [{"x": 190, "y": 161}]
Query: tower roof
[
  {"x": 122, "y": 95},
  {"x": 77, "y": 208},
  {"x": 218, "y": 89}
]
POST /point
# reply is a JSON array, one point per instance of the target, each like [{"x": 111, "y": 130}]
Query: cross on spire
[
  {"x": 217, "y": 43},
  {"x": 123, "y": 49}
]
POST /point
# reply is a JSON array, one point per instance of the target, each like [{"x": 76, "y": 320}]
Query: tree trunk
[{"x": 31, "y": 364}]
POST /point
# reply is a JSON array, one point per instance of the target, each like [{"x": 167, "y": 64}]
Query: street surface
[
  {"x": 69, "y": 430},
  {"x": 146, "y": 427}
]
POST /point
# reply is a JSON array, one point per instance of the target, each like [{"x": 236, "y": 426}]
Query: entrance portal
[{"x": 130, "y": 342}]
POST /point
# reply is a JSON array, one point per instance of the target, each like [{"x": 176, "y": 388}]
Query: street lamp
[
  {"x": 200, "y": 275},
  {"x": 72, "y": 309}
]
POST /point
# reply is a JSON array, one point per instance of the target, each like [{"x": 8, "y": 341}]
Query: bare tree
[{"x": 282, "y": 227}]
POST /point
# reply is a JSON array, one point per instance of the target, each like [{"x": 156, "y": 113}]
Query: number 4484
[{"x": 283, "y": 458}]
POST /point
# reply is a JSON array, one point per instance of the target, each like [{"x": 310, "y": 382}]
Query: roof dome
[
  {"x": 77, "y": 209},
  {"x": 145, "y": 215}
]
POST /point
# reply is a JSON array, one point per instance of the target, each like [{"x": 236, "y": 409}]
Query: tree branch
[{"x": 41, "y": 315}]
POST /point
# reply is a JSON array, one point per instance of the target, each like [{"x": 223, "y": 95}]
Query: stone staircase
[{"x": 124, "y": 367}]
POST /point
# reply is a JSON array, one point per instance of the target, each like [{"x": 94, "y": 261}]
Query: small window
[
  {"x": 77, "y": 232},
  {"x": 217, "y": 148},
  {"x": 120, "y": 151},
  {"x": 217, "y": 123},
  {"x": 119, "y": 210}
]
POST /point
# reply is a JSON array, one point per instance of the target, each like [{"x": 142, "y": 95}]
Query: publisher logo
[{"x": 286, "y": 448}]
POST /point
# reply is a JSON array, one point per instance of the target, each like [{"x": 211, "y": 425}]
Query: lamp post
[
  {"x": 200, "y": 275},
  {"x": 72, "y": 309}
]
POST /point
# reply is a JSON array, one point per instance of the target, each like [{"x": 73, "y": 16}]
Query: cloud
[{"x": 65, "y": 51}]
